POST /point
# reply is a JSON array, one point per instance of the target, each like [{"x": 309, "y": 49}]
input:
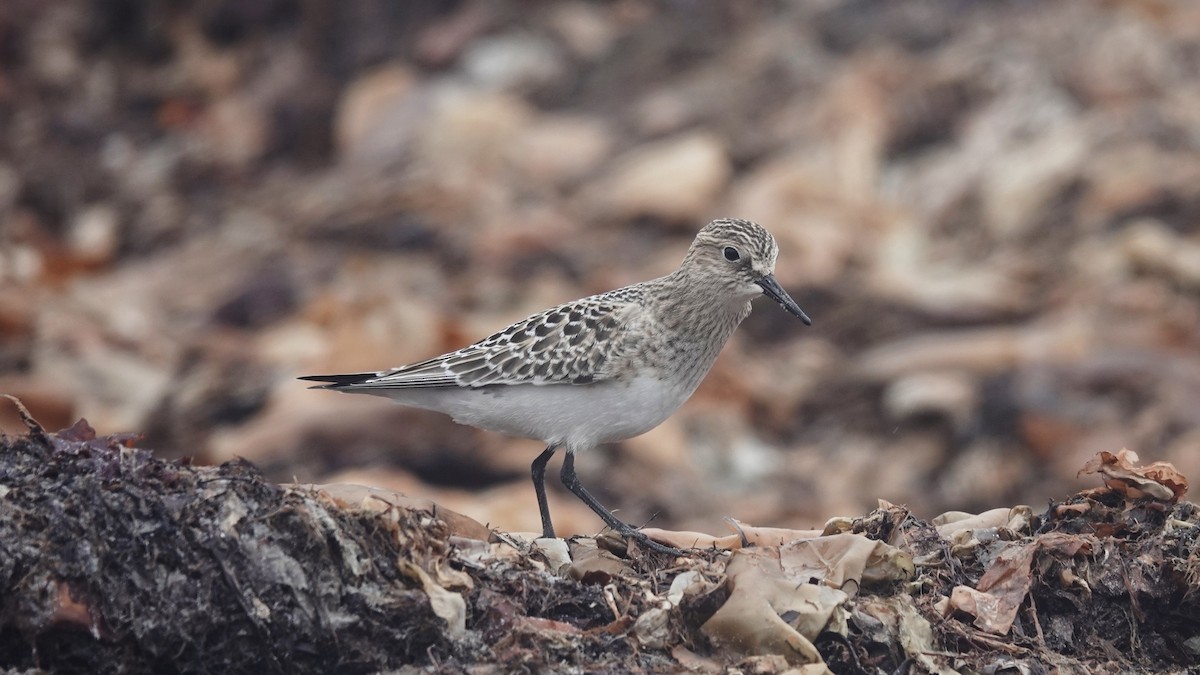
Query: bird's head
[{"x": 740, "y": 256}]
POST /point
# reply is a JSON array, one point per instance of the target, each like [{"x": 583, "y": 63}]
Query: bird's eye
[{"x": 731, "y": 254}]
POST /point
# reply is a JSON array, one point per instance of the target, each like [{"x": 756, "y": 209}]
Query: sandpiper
[{"x": 601, "y": 369}]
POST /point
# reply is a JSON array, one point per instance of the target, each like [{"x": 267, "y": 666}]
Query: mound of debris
[{"x": 113, "y": 561}]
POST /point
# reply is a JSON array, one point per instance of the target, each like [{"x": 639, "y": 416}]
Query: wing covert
[{"x": 575, "y": 343}]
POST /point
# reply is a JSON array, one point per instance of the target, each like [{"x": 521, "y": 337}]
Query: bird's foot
[{"x": 645, "y": 541}]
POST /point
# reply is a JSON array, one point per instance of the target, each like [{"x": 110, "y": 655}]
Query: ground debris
[{"x": 115, "y": 561}]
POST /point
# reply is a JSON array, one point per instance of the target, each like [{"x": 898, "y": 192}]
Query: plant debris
[{"x": 115, "y": 561}]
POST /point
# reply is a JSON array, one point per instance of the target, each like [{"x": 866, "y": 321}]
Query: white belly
[{"x": 578, "y": 416}]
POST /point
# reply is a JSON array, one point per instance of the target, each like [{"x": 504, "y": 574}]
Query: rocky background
[{"x": 991, "y": 211}]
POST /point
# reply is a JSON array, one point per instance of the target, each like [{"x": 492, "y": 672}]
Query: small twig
[
  {"x": 1037, "y": 624},
  {"x": 975, "y": 636},
  {"x": 248, "y": 479},
  {"x": 610, "y": 592},
  {"x": 35, "y": 429},
  {"x": 508, "y": 540}
]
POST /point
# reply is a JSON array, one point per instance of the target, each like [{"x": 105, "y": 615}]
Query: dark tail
[{"x": 339, "y": 381}]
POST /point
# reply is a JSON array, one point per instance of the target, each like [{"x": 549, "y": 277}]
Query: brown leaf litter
[{"x": 114, "y": 561}]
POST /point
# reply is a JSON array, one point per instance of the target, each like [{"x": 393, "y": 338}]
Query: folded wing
[{"x": 575, "y": 343}]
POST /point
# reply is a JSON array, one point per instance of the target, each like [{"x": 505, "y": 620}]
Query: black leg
[
  {"x": 570, "y": 480},
  {"x": 539, "y": 487}
]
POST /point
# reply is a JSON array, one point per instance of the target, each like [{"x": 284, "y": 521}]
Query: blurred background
[{"x": 990, "y": 209}]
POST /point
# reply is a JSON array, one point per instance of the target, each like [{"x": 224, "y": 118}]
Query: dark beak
[{"x": 774, "y": 291}]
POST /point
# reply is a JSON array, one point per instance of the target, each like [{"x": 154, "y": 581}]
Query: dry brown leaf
[
  {"x": 69, "y": 610},
  {"x": 349, "y": 495},
  {"x": 447, "y": 605},
  {"x": 841, "y": 559},
  {"x": 781, "y": 598},
  {"x": 685, "y": 540},
  {"x": 743, "y": 536},
  {"x": 1062, "y": 510},
  {"x": 556, "y": 553},
  {"x": 776, "y": 536},
  {"x": 1000, "y": 592},
  {"x": 652, "y": 629},
  {"x": 695, "y": 663},
  {"x": 898, "y": 616},
  {"x": 539, "y": 624},
  {"x": 594, "y": 565},
  {"x": 1159, "y": 481},
  {"x": 1066, "y": 544},
  {"x": 768, "y": 612},
  {"x": 1003, "y": 587},
  {"x": 952, "y": 522}
]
